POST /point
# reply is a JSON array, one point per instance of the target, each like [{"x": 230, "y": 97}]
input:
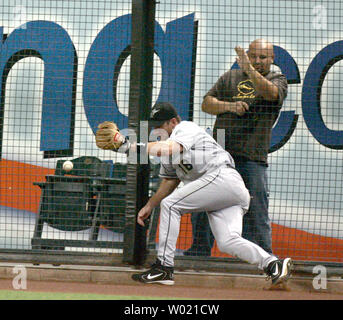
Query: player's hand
[
  {"x": 243, "y": 59},
  {"x": 108, "y": 136},
  {"x": 240, "y": 108},
  {"x": 143, "y": 214}
]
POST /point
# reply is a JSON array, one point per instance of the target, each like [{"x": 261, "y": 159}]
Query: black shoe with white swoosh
[
  {"x": 279, "y": 270},
  {"x": 156, "y": 274}
]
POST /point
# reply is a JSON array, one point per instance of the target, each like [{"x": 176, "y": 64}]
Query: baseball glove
[{"x": 108, "y": 136}]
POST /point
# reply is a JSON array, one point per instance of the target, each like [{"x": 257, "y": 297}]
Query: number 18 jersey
[{"x": 201, "y": 154}]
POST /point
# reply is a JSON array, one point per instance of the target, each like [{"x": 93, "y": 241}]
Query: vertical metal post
[{"x": 140, "y": 99}]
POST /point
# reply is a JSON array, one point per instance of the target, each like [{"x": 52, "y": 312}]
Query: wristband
[{"x": 125, "y": 147}]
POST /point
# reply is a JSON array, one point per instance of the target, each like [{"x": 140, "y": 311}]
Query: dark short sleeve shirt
[{"x": 248, "y": 136}]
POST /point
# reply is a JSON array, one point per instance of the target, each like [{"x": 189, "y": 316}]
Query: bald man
[{"x": 247, "y": 102}]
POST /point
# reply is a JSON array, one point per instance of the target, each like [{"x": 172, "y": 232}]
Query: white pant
[{"x": 223, "y": 195}]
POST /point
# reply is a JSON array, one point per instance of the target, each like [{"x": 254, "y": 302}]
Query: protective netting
[{"x": 65, "y": 68}]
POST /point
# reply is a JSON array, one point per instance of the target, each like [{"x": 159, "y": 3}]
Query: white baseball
[{"x": 67, "y": 165}]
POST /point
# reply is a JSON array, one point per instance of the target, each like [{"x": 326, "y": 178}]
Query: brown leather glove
[{"x": 108, "y": 136}]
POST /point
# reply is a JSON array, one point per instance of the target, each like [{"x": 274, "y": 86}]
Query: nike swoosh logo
[
  {"x": 150, "y": 277},
  {"x": 276, "y": 272}
]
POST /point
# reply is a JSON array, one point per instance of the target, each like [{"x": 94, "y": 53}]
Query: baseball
[{"x": 67, "y": 165}]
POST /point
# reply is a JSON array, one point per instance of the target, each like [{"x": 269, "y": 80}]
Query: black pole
[{"x": 140, "y": 99}]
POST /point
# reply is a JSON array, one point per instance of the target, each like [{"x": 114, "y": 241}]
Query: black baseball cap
[{"x": 160, "y": 113}]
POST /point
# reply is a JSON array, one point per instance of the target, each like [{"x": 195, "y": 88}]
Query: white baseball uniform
[{"x": 211, "y": 184}]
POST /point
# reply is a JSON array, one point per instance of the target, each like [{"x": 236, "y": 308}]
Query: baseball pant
[{"x": 223, "y": 195}]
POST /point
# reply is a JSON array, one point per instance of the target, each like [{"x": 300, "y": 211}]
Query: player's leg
[
  {"x": 171, "y": 209},
  {"x": 226, "y": 225},
  {"x": 220, "y": 189}
]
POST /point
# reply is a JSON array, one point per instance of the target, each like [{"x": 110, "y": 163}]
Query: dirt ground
[{"x": 175, "y": 291}]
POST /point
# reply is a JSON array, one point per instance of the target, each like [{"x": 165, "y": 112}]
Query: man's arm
[
  {"x": 214, "y": 106},
  {"x": 268, "y": 90},
  {"x": 166, "y": 187},
  {"x": 264, "y": 87}
]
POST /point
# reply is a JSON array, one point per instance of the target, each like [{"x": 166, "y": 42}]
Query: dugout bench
[{"x": 93, "y": 193}]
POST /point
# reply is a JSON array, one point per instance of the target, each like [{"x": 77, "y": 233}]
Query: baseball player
[{"x": 211, "y": 184}]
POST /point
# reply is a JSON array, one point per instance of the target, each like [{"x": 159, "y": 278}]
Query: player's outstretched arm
[{"x": 108, "y": 137}]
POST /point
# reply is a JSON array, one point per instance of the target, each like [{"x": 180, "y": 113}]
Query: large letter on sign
[
  {"x": 287, "y": 121},
  {"x": 175, "y": 49},
  {"x": 109, "y": 51},
  {"x": 51, "y": 43},
  {"x": 312, "y": 87},
  {"x": 106, "y": 55}
]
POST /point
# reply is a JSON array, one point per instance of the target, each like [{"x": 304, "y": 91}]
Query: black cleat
[
  {"x": 279, "y": 270},
  {"x": 156, "y": 274}
]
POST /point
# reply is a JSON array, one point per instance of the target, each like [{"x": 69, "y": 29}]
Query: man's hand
[
  {"x": 143, "y": 214},
  {"x": 243, "y": 60},
  {"x": 240, "y": 108}
]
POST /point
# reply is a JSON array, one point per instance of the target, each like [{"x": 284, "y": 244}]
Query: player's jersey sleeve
[
  {"x": 185, "y": 134},
  {"x": 167, "y": 171}
]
